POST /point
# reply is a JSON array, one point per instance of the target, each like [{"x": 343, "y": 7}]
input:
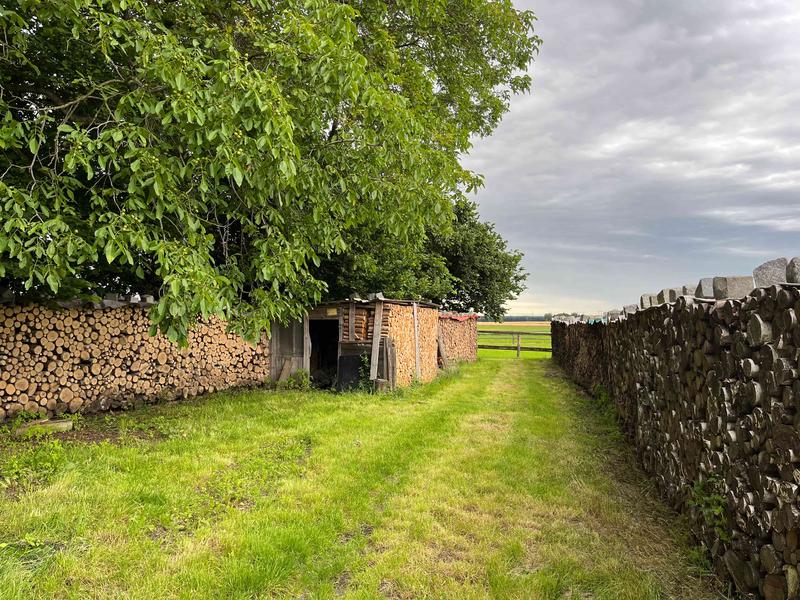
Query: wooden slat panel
[
  {"x": 351, "y": 323},
  {"x": 416, "y": 341},
  {"x": 376, "y": 341}
]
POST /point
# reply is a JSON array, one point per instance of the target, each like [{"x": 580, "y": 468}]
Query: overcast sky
[{"x": 660, "y": 144}]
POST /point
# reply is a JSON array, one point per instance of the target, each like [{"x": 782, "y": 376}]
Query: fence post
[{"x": 519, "y": 344}]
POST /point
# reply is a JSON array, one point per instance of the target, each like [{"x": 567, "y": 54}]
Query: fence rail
[
  {"x": 516, "y": 341},
  {"x": 517, "y": 348},
  {"x": 525, "y": 333}
]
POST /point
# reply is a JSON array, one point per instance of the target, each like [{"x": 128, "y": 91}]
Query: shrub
[{"x": 300, "y": 380}]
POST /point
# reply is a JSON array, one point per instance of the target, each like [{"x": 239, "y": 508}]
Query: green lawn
[{"x": 500, "y": 481}]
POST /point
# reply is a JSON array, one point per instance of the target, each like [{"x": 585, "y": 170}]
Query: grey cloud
[
  {"x": 655, "y": 130},
  {"x": 778, "y": 218}
]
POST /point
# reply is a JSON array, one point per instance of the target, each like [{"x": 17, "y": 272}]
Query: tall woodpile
[
  {"x": 402, "y": 332},
  {"x": 459, "y": 335},
  {"x": 709, "y": 393},
  {"x": 58, "y": 361}
]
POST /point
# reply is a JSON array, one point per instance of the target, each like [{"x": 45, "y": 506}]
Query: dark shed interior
[{"x": 324, "y": 334}]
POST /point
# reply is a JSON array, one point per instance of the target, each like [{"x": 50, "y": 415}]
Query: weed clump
[
  {"x": 708, "y": 503},
  {"x": 299, "y": 381},
  {"x": 32, "y": 465}
]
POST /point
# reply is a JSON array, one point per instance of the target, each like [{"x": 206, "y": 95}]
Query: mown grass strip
[{"x": 527, "y": 500}]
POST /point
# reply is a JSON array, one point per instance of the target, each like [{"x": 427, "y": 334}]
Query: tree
[
  {"x": 218, "y": 150},
  {"x": 486, "y": 273},
  {"x": 464, "y": 265},
  {"x": 377, "y": 261}
]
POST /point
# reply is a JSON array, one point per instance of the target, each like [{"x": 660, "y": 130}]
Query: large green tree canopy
[{"x": 215, "y": 151}]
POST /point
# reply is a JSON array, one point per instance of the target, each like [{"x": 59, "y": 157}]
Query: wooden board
[
  {"x": 391, "y": 365},
  {"x": 306, "y": 344},
  {"x": 416, "y": 341},
  {"x": 286, "y": 370},
  {"x": 376, "y": 340},
  {"x": 442, "y": 351}
]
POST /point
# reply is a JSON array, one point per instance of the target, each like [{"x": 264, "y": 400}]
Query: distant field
[
  {"x": 512, "y": 327},
  {"x": 523, "y": 326}
]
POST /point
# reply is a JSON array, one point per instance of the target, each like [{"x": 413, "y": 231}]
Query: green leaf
[
  {"x": 112, "y": 252},
  {"x": 238, "y": 176},
  {"x": 53, "y": 282}
]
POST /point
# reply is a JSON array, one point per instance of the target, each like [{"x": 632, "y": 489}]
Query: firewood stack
[
  {"x": 59, "y": 361},
  {"x": 459, "y": 333},
  {"x": 411, "y": 344},
  {"x": 363, "y": 323},
  {"x": 709, "y": 392}
]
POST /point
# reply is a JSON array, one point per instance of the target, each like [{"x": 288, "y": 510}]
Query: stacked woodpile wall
[
  {"x": 428, "y": 342},
  {"x": 363, "y": 320},
  {"x": 459, "y": 336},
  {"x": 709, "y": 393},
  {"x": 54, "y": 361},
  {"x": 58, "y": 361},
  {"x": 401, "y": 331},
  {"x": 579, "y": 349}
]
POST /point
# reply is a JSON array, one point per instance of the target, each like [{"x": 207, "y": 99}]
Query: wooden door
[{"x": 290, "y": 349}]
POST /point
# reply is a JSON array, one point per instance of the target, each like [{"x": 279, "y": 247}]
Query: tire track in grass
[
  {"x": 442, "y": 531},
  {"x": 602, "y": 533},
  {"x": 522, "y": 503}
]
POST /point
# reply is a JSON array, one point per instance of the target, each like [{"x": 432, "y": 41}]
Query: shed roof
[{"x": 357, "y": 300}]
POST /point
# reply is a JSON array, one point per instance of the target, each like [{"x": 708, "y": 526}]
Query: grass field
[
  {"x": 509, "y": 328},
  {"x": 500, "y": 481}
]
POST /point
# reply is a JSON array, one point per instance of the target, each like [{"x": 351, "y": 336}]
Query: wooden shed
[{"x": 340, "y": 346}]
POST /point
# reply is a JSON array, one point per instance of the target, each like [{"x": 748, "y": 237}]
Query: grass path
[{"x": 500, "y": 481}]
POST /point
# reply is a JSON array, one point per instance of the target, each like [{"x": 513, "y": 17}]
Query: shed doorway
[{"x": 324, "y": 360}]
